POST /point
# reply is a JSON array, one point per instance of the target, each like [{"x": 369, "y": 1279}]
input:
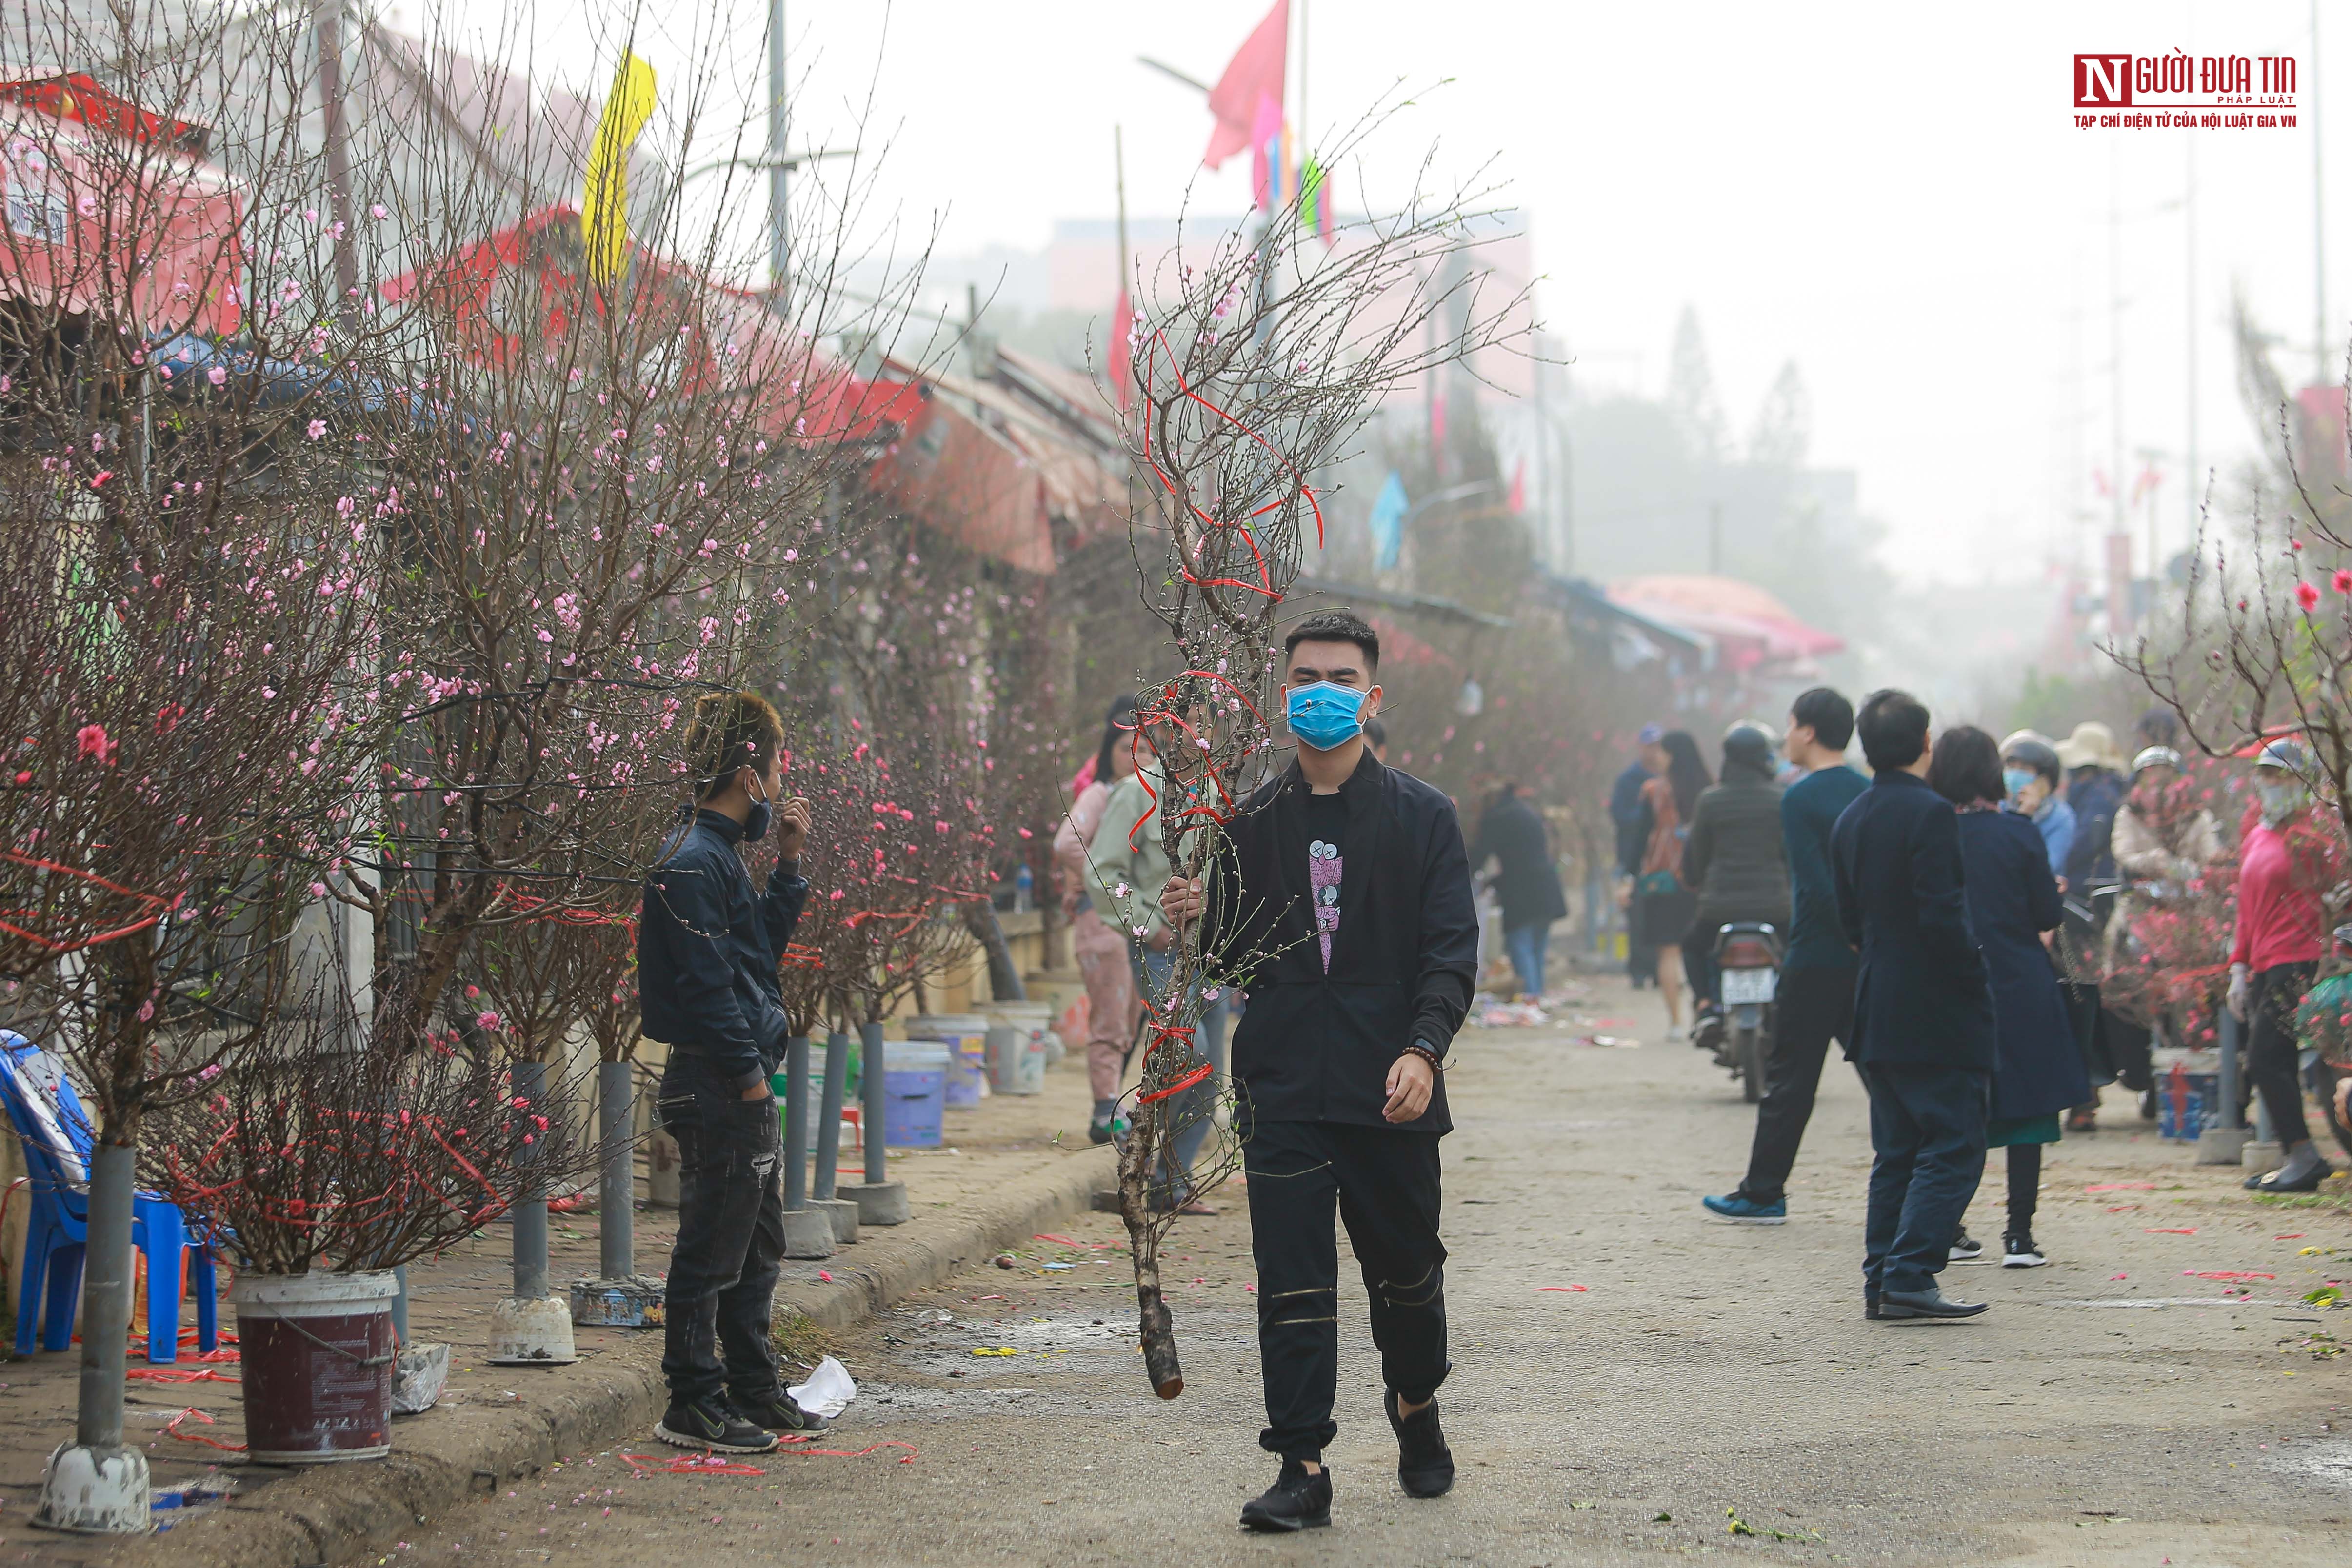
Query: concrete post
[
  {"x": 879, "y": 1201},
  {"x": 530, "y": 1328},
  {"x": 95, "y": 1485},
  {"x": 2224, "y": 1139},
  {"x": 808, "y": 1232},
  {"x": 841, "y": 1210}
]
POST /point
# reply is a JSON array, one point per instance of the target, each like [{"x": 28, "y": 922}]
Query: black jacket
[
  {"x": 708, "y": 949},
  {"x": 1313, "y": 1047},
  {"x": 1922, "y": 999},
  {"x": 1529, "y": 883},
  {"x": 1736, "y": 858}
]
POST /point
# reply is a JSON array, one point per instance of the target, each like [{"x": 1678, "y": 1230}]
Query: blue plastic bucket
[
  {"x": 965, "y": 1036},
  {"x": 2181, "y": 1099},
  {"x": 914, "y": 1085}
]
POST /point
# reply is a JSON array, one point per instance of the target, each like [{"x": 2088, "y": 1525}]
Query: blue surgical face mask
[
  {"x": 1325, "y": 716},
  {"x": 2015, "y": 779},
  {"x": 755, "y": 826}
]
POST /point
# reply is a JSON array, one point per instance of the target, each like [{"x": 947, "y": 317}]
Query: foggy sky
[{"x": 1894, "y": 196}]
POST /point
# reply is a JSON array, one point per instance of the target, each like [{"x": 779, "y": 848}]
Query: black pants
[
  {"x": 1700, "y": 970},
  {"x": 2272, "y": 1057},
  {"x": 2130, "y": 1049},
  {"x": 1385, "y": 1186},
  {"x": 1927, "y": 1133},
  {"x": 1815, "y": 1005},
  {"x": 2024, "y": 1186},
  {"x": 2084, "y": 1012},
  {"x": 730, "y": 1235}
]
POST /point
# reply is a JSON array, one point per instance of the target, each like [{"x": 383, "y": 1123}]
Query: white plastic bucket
[{"x": 318, "y": 1362}]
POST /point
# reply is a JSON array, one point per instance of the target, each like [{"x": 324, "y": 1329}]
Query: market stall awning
[
  {"x": 954, "y": 474},
  {"x": 1749, "y": 627},
  {"x": 110, "y": 211}
]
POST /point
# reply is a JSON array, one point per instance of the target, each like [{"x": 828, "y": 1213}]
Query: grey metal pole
[
  {"x": 531, "y": 1201},
  {"x": 2227, "y": 1115},
  {"x": 616, "y": 1224},
  {"x": 105, "y": 1297},
  {"x": 828, "y": 1120},
  {"x": 780, "y": 256},
  {"x": 796, "y": 1122},
  {"x": 400, "y": 1307},
  {"x": 869, "y": 1046}
]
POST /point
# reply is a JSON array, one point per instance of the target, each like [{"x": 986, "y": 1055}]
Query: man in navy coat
[{"x": 1923, "y": 1013}]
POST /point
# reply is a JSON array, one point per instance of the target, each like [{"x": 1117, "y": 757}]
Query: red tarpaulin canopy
[
  {"x": 99, "y": 191},
  {"x": 1748, "y": 625}
]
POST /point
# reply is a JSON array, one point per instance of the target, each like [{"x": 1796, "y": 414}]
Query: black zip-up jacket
[
  {"x": 1735, "y": 858},
  {"x": 1316, "y": 1047},
  {"x": 708, "y": 949}
]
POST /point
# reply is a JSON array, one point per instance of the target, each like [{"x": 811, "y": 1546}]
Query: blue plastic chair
[{"x": 56, "y": 1140}]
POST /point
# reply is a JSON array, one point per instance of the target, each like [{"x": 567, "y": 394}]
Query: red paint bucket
[{"x": 318, "y": 1365}]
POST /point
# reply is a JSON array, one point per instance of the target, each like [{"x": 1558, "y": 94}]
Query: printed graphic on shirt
[{"x": 1323, "y": 866}]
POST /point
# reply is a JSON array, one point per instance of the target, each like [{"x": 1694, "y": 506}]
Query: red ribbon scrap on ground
[
  {"x": 2121, "y": 1186},
  {"x": 171, "y": 1429},
  {"x": 179, "y": 1374},
  {"x": 710, "y": 1464},
  {"x": 2224, "y": 1274},
  {"x": 2169, "y": 1229},
  {"x": 1541, "y": 1289}
]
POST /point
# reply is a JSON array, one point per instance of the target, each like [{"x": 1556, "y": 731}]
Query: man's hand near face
[{"x": 792, "y": 828}]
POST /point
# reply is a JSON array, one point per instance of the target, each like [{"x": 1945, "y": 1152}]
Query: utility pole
[
  {"x": 2119, "y": 578},
  {"x": 327, "y": 26},
  {"x": 779, "y": 176},
  {"x": 2321, "y": 351},
  {"x": 2192, "y": 484}
]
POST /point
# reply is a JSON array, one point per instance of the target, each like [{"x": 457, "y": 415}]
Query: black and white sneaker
[
  {"x": 2020, "y": 1252},
  {"x": 709, "y": 1425},
  {"x": 778, "y": 1412},
  {"x": 1966, "y": 1248},
  {"x": 1295, "y": 1500}
]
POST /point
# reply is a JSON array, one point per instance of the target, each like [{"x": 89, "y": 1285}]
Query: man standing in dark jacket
[
  {"x": 1343, "y": 897},
  {"x": 1513, "y": 835},
  {"x": 1923, "y": 1013},
  {"x": 707, "y": 954},
  {"x": 1814, "y": 1004}
]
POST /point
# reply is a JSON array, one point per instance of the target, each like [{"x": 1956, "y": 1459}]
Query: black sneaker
[
  {"x": 778, "y": 1412},
  {"x": 1295, "y": 1500},
  {"x": 1424, "y": 1464},
  {"x": 706, "y": 1424},
  {"x": 2020, "y": 1252},
  {"x": 1966, "y": 1248}
]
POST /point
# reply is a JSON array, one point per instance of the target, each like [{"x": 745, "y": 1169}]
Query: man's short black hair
[
  {"x": 1336, "y": 626},
  {"x": 1829, "y": 715},
  {"x": 1376, "y": 732},
  {"x": 1894, "y": 725}
]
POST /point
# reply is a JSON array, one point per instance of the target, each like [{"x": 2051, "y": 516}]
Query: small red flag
[
  {"x": 1520, "y": 485},
  {"x": 1256, "y": 71}
]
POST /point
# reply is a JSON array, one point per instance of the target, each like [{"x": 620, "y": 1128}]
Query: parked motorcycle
[{"x": 1748, "y": 954}]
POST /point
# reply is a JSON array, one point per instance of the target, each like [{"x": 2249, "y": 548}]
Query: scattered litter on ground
[
  {"x": 2170, "y": 1230},
  {"x": 1739, "y": 1526},
  {"x": 2121, "y": 1186},
  {"x": 2224, "y": 1274},
  {"x": 996, "y": 1350},
  {"x": 1492, "y": 1014},
  {"x": 1541, "y": 1289},
  {"x": 1609, "y": 1041},
  {"x": 827, "y": 1392}
]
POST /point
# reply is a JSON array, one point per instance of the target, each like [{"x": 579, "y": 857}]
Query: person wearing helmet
[
  {"x": 2028, "y": 772},
  {"x": 2289, "y": 866},
  {"x": 1735, "y": 859}
]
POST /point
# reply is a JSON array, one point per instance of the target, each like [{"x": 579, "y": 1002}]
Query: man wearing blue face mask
[
  {"x": 708, "y": 949},
  {"x": 1343, "y": 897}
]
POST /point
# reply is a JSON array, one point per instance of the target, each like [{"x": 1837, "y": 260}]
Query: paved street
[{"x": 1628, "y": 1378}]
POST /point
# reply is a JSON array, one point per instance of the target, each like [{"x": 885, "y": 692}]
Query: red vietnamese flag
[
  {"x": 1520, "y": 485},
  {"x": 1255, "y": 73},
  {"x": 1122, "y": 350}
]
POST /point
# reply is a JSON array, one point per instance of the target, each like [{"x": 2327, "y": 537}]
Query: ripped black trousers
[
  {"x": 730, "y": 1235},
  {"x": 1385, "y": 1186}
]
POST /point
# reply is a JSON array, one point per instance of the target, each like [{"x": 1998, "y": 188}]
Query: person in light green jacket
[{"x": 1130, "y": 865}]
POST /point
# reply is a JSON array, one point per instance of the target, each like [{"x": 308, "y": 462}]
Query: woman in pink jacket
[
  {"x": 1112, "y": 1005},
  {"x": 2289, "y": 866}
]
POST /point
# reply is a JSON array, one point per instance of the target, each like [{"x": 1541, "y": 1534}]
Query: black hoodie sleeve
[{"x": 1449, "y": 935}]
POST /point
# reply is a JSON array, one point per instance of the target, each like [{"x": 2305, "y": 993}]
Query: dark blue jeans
[
  {"x": 1927, "y": 1129},
  {"x": 1525, "y": 945},
  {"x": 730, "y": 1235}
]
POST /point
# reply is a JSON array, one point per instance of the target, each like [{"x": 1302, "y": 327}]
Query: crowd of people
[{"x": 1952, "y": 921}]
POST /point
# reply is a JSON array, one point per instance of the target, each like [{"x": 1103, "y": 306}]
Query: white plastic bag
[{"x": 827, "y": 1392}]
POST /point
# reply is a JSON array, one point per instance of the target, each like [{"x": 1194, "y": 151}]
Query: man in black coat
[
  {"x": 1342, "y": 902},
  {"x": 1923, "y": 1013},
  {"x": 1526, "y": 881},
  {"x": 707, "y": 947}
]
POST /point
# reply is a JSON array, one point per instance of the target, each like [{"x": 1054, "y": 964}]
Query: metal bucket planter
[{"x": 318, "y": 1362}]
